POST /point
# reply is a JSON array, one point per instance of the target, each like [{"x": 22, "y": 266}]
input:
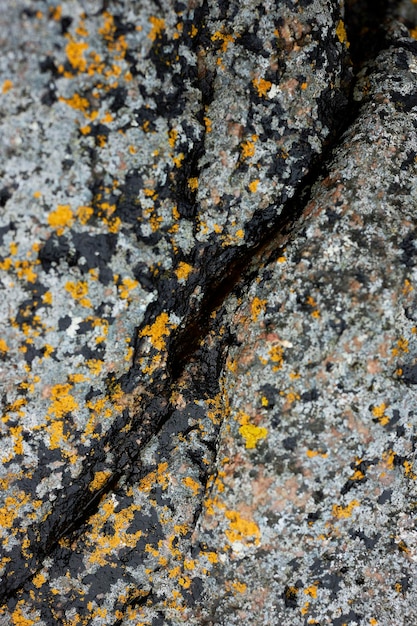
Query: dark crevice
[{"x": 364, "y": 23}]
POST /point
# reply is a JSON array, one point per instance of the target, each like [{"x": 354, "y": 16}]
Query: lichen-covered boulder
[{"x": 207, "y": 361}]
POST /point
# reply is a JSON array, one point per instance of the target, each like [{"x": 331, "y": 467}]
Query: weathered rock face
[{"x": 208, "y": 362}]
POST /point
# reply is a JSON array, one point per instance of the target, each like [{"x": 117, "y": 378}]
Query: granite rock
[{"x": 207, "y": 355}]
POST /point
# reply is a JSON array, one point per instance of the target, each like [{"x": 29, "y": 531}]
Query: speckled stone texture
[
  {"x": 207, "y": 365},
  {"x": 312, "y": 510}
]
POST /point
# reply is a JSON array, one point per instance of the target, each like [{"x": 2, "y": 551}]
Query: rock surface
[{"x": 208, "y": 358}]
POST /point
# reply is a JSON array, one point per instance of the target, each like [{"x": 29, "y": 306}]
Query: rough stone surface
[{"x": 208, "y": 361}]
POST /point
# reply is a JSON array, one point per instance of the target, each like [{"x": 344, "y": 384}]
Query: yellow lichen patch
[
  {"x": 312, "y": 590},
  {"x": 183, "y": 270},
  {"x": 95, "y": 366},
  {"x": 276, "y": 355},
  {"x": 193, "y": 183},
  {"x": 16, "y": 434},
  {"x": 225, "y": 39},
  {"x": 379, "y": 413},
  {"x": 207, "y": 124},
  {"x": 248, "y": 147},
  {"x": 158, "y": 25},
  {"x": 25, "y": 271},
  {"x": 408, "y": 470},
  {"x": 84, "y": 213},
  {"x": 75, "y": 54},
  {"x": 160, "y": 476},
  {"x": 241, "y": 529},
  {"x": 172, "y": 137},
  {"x": 312, "y": 453},
  {"x": 158, "y": 330},
  {"x": 262, "y": 86},
  {"x": 257, "y": 307},
  {"x": 19, "y": 618},
  {"x": 178, "y": 159},
  {"x": 62, "y": 401},
  {"x": 39, "y": 580},
  {"x": 61, "y": 218},
  {"x": 192, "y": 484},
  {"x": 253, "y": 186},
  {"x": 343, "y": 512},
  {"x": 401, "y": 347},
  {"x": 341, "y": 33},
  {"x": 407, "y": 287},
  {"x": 76, "y": 102},
  {"x": 7, "y": 85},
  {"x": 106, "y": 544},
  {"x": 389, "y": 458},
  {"x": 128, "y": 284},
  {"x": 239, "y": 587},
  {"x": 47, "y": 297},
  {"x": 56, "y": 434},
  {"x": 78, "y": 290},
  {"x": 11, "y": 509},
  {"x": 3, "y": 346},
  {"x": 252, "y": 434},
  {"x": 99, "y": 480}
]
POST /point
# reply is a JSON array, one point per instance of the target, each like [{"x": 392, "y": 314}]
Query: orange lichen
[
  {"x": 158, "y": 330},
  {"x": 158, "y": 25},
  {"x": 262, "y": 86},
  {"x": 207, "y": 124},
  {"x": 343, "y": 512},
  {"x": 257, "y": 307},
  {"x": 159, "y": 476},
  {"x": 341, "y": 33},
  {"x": 7, "y": 85},
  {"x": 128, "y": 285},
  {"x": 276, "y": 355},
  {"x": 183, "y": 270},
  {"x": 225, "y": 39},
  {"x": 75, "y": 54},
  {"x": 311, "y": 590},
  {"x": 76, "y": 102},
  {"x": 401, "y": 347},
  {"x": 253, "y": 186},
  {"x": 379, "y": 413},
  {"x": 193, "y": 183},
  {"x": 18, "y": 617},
  {"x": 251, "y": 433},
  {"x": 241, "y": 529},
  {"x": 84, "y": 213},
  {"x": 78, "y": 290},
  {"x": 99, "y": 480},
  {"x": 61, "y": 217},
  {"x": 248, "y": 147},
  {"x": 62, "y": 401},
  {"x": 312, "y": 453},
  {"x": 3, "y": 346},
  {"x": 192, "y": 484}
]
